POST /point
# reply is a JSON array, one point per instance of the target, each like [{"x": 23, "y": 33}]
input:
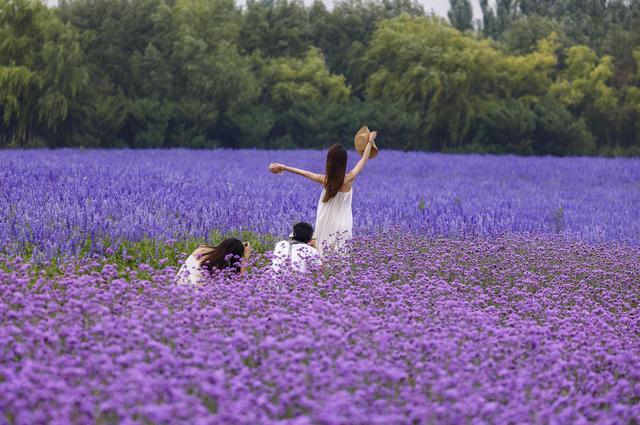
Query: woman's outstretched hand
[
  {"x": 276, "y": 168},
  {"x": 372, "y": 136},
  {"x": 247, "y": 250}
]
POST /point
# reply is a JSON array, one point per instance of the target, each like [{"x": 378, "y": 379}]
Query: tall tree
[
  {"x": 489, "y": 22},
  {"x": 308, "y": 100},
  {"x": 524, "y": 34},
  {"x": 275, "y": 28},
  {"x": 343, "y": 35},
  {"x": 42, "y": 70},
  {"x": 507, "y": 126},
  {"x": 437, "y": 71},
  {"x": 584, "y": 86},
  {"x": 460, "y": 14}
]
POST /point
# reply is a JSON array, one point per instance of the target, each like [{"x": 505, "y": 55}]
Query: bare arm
[
  {"x": 279, "y": 168},
  {"x": 244, "y": 264},
  {"x": 351, "y": 176}
]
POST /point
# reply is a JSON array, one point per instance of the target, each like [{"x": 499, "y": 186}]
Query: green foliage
[
  {"x": 302, "y": 104},
  {"x": 99, "y": 119},
  {"x": 507, "y": 127},
  {"x": 585, "y": 78},
  {"x": 489, "y": 20},
  {"x": 129, "y": 256},
  {"x": 460, "y": 14},
  {"x": 525, "y": 33},
  {"x": 399, "y": 126},
  {"x": 16, "y": 86},
  {"x": 281, "y": 74},
  {"x": 154, "y": 117},
  {"x": 313, "y": 124},
  {"x": 275, "y": 28},
  {"x": 41, "y": 71},
  {"x": 306, "y": 79},
  {"x": 434, "y": 69},
  {"x": 584, "y": 86},
  {"x": 531, "y": 75},
  {"x": 344, "y": 33},
  {"x": 557, "y": 132},
  {"x": 500, "y": 17}
]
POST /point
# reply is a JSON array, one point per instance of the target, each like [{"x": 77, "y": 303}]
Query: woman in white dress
[
  {"x": 334, "y": 218},
  {"x": 230, "y": 254}
]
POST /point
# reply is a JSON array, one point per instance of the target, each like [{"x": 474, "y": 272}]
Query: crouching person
[
  {"x": 298, "y": 252},
  {"x": 230, "y": 255}
]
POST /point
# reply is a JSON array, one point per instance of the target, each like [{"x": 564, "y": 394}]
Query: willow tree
[
  {"x": 41, "y": 71},
  {"x": 437, "y": 71}
]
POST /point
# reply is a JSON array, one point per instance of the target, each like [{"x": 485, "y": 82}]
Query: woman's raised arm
[
  {"x": 351, "y": 176},
  {"x": 279, "y": 168}
]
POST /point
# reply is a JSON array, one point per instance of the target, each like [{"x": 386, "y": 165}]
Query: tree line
[{"x": 552, "y": 77}]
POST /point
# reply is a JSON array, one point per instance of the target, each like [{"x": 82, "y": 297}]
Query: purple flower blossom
[
  {"x": 515, "y": 329},
  {"x": 72, "y": 201},
  {"x": 526, "y": 312}
]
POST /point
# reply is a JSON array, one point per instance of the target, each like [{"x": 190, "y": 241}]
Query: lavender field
[
  {"x": 56, "y": 201},
  {"x": 481, "y": 290}
]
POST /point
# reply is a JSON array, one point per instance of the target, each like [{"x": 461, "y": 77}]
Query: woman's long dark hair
[
  {"x": 336, "y": 169},
  {"x": 227, "y": 255}
]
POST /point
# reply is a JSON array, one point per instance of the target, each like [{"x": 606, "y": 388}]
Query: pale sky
[{"x": 440, "y": 7}]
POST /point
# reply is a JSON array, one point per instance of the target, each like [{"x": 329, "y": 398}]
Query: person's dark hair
[
  {"x": 336, "y": 169},
  {"x": 302, "y": 232},
  {"x": 226, "y": 255}
]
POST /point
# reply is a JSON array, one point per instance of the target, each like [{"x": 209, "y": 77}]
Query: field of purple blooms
[
  {"x": 479, "y": 290},
  {"x": 508, "y": 330},
  {"x": 69, "y": 202}
]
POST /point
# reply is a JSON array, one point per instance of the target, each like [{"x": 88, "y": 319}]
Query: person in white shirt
[{"x": 298, "y": 252}]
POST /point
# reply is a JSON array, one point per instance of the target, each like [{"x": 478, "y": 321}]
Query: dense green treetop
[{"x": 528, "y": 76}]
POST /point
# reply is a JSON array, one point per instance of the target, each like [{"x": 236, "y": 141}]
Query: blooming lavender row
[
  {"x": 506, "y": 330},
  {"x": 56, "y": 201}
]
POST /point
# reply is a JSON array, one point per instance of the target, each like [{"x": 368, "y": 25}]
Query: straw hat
[{"x": 361, "y": 139}]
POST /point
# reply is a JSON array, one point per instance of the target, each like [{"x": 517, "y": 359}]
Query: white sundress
[
  {"x": 334, "y": 222},
  {"x": 190, "y": 272}
]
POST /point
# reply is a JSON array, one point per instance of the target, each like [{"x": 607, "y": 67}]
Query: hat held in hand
[{"x": 361, "y": 139}]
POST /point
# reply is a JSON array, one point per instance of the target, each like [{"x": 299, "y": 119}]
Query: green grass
[{"x": 129, "y": 255}]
